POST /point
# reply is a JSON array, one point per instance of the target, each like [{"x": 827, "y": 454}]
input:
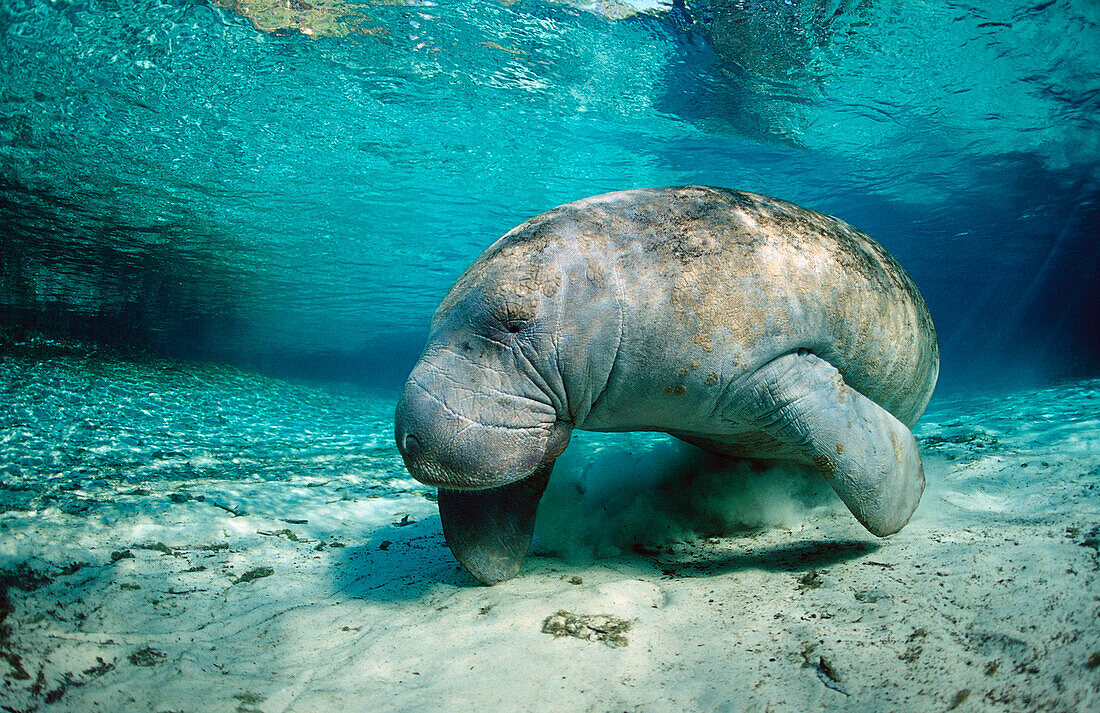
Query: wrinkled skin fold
[{"x": 742, "y": 324}]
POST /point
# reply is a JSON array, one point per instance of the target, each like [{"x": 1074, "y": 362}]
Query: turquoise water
[
  {"x": 81, "y": 431},
  {"x": 175, "y": 179},
  {"x": 221, "y": 240}
]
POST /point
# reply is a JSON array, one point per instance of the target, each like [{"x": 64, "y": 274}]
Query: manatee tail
[{"x": 489, "y": 531}]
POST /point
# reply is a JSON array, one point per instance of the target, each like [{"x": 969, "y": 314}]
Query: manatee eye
[
  {"x": 512, "y": 318},
  {"x": 515, "y": 325}
]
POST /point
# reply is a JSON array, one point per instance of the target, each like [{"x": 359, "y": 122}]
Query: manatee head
[{"x": 511, "y": 357}]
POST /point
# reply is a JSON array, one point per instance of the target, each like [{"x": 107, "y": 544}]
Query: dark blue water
[{"x": 177, "y": 180}]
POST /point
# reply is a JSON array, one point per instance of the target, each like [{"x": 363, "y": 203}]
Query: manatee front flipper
[
  {"x": 867, "y": 455},
  {"x": 489, "y": 531}
]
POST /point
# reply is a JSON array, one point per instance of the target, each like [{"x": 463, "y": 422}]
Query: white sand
[{"x": 988, "y": 600}]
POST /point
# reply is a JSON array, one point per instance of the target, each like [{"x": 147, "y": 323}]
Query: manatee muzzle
[{"x": 447, "y": 449}]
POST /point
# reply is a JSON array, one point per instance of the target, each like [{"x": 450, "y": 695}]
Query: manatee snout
[
  {"x": 506, "y": 440},
  {"x": 488, "y": 451}
]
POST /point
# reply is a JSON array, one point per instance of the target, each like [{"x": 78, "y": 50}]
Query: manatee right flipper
[
  {"x": 489, "y": 531},
  {"x": 867, "y": 455}
]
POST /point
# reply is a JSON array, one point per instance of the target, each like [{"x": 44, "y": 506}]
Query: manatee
[{"x": 740, "y": 323}]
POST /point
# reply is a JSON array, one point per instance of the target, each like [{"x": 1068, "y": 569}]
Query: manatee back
[{"x": 743, "y": 278}]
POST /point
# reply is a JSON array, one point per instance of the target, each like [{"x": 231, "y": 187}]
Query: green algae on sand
[{"x": 605, "y": 628}]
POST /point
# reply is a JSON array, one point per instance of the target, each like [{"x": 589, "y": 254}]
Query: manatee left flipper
[
  {"x": 489, "y": 531},
  {"x": 867, "y": 455}
]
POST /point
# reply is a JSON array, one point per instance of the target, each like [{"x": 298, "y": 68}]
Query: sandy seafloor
[{"x": 181, "y": 537}]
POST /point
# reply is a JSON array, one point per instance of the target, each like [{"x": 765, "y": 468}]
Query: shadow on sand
[
  {"x": 403, "y": 561},
  {"x": 408, "y": 560},
  {"x": 799, "y": 556}
]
